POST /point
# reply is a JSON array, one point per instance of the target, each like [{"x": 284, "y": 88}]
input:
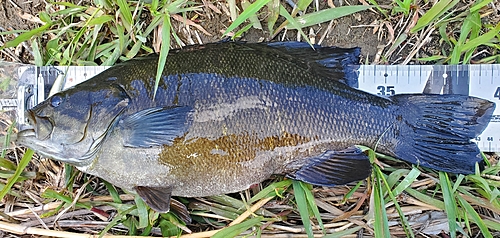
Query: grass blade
[
  {"x": 49, "y": 193},
  {"x": 20, "y": 168},
  {"x": 343, "y": 233},
  {"x": 475, "y": 217},
  {"x": 432, "y": 58},
  {"x": 3, "y": 162},
  {"x": 481, "y": 40},
  {"x": 273, "y": 8},
  {"x": 36, "y": 53},
  {"x": 303, "y": 4},
  {"x": 300, "y": 198},
  {"x": 242, "y": 30},
  {"x": 165, "y": 47},
  {"x": 249, "y": 12},
  {"x": 25, "y": 36},
  {"x": 237, "y": 229},
  {"x": 466, "y": 29},
  {"x": 125, "y": 14},
  {"x": 275, "y": 189},
  {"x": 328, "y": 15},
  {"x": 168, "y": 229},
  {"x": 394, "y": 177},
  {"x": 135, "y": 50},
  {"x": 293, "y": 23},
  {"x": 100, "y": 20},
  {"x": 112, "y": 192},
  {"x": 381, "y": 225},
  {"x": 312, "y": 204},
  {"x": 7, "y": 164},
  {"x": 113, "y": 57},
  {"x": 392, "y": 195},
  {"x": 480, "y": 5},
  {"x": 449, "y": 203},
  {"x": 115, "y": 221},
  {"x": 351, "y": 192},
  {"x": 253, "y": 18},
  {"x": 406, "y": 182},
  {"x": 435, "y": 12},
  {"x": 494, "y": 225},
  {"x": 177, "y": 7},
  {"x": 142, "y": 212}
]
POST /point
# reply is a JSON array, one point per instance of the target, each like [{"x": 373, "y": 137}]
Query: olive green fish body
[
  {"x": 242, "y": 131},
  {"x": 243, "y": 128}
]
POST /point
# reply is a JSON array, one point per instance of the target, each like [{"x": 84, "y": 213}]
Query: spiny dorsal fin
[{"x": 333, "y": 62}]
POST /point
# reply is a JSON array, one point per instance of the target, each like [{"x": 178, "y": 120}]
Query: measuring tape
[
  {"x": 481, "y": 81},
  {"x": 35, "y": 84}
]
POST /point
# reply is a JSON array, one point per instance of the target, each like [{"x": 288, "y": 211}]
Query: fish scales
[
  {"x": 242, "y": 116},
  {"x": 227, "y": 116}
]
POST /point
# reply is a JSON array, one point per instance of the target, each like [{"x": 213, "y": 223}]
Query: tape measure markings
[{"x": 476, "y": 80}]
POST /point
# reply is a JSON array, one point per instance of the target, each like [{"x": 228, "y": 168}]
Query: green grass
[{"x": 117, "y": 30}]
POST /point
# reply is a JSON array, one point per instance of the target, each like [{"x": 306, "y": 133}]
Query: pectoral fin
[
  {"x": 335, "y": 168},
  {"x": 155, "y": 126}
]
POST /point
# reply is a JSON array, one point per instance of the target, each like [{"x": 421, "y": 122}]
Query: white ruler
[{"x": 476, "y": 80}]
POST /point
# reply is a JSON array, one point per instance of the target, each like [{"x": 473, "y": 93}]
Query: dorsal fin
[{"x": 333, "y": 62}]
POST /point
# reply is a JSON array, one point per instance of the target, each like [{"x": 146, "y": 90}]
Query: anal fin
[{"x": 335, "y": 168}]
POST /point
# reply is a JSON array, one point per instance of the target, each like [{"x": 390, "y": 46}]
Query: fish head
[{"x": 71, "y": 125}]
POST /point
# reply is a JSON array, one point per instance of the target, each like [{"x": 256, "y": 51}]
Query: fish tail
[{"x": 435, "y": 131}]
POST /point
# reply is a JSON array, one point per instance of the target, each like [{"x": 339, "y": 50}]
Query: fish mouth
[
  {"x": 45, "y": 148},
  {"x": 29, "y": 137},
  {"x": 42, "y": 127},
  {"x": 27, "y": 133}
]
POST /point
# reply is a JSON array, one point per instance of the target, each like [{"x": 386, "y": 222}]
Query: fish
[{"x": 226, "y": 116}]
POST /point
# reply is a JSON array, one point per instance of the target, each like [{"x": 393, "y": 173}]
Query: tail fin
[{"x": 437, "y": 130}]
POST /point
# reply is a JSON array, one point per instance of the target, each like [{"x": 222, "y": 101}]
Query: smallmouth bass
[{"x": 229, "y": 115}]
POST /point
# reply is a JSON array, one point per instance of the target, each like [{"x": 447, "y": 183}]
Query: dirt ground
[
  {"x": 15, "y": 15},
  {"x": 369, "y": 30},
  {"x": 11, "y": 13},
  {"x": 352, "y": 31}
]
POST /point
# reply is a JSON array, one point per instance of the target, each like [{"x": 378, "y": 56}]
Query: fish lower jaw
[
  {"x": 27, "y": 133},
  {"x": 48, "y": 150},
  {"x": 78, "y": 162}
]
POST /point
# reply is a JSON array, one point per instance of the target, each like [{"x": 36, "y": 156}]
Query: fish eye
[{"x": 56, "y": 100}]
